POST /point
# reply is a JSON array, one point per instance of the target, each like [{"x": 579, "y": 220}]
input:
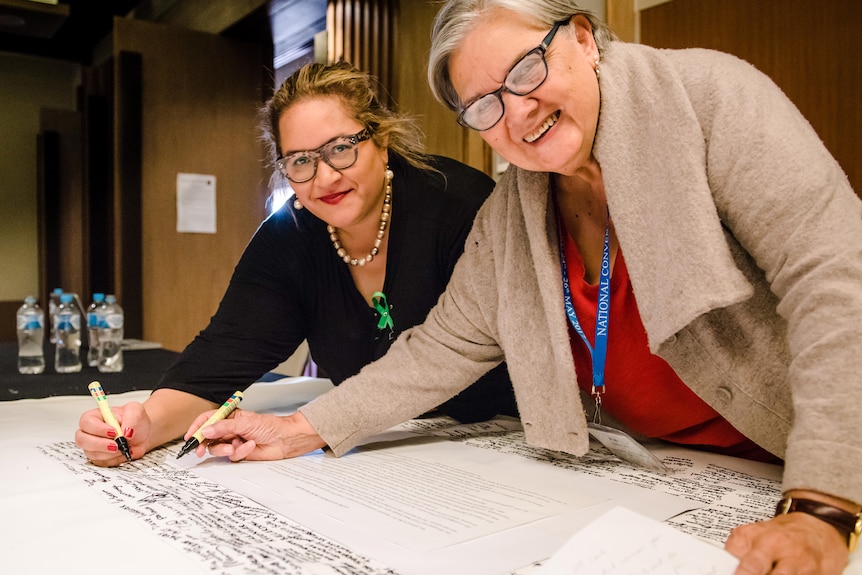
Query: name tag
[{"x": 626, "y": 447}]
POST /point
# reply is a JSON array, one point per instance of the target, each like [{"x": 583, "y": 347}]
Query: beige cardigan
[{"x": 743, "y": 241}]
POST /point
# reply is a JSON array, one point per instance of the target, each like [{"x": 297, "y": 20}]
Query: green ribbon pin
[{"x": 378, "y": 298}]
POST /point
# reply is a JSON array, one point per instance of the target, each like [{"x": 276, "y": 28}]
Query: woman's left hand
[
  {"x": 256, "y": 437},
  {"x": 795, "y": 543}
]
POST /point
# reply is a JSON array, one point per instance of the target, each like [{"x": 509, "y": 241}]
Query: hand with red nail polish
[
  {"x": 163, "y": 417},
  {"x": 92, "y": 432}
]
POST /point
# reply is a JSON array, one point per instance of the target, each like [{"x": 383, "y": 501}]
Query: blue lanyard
[{"x": 599, "y": 353}]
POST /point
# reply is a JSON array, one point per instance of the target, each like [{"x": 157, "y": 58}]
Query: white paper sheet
[
  {"x": 196, "y": 203},
  {"x": 727, "y": 491},
  {"x": 622, "y": 542},
  {"x": 217, "y": 528},
  {"x": 427, "y": 502},
  {"x": 417, "y": 497}
]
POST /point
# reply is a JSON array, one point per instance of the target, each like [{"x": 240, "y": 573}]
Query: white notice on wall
[{"x": 196, "y": 203}]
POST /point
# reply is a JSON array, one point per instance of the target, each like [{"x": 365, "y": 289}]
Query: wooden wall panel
[
  {"x": 63, "y": 219},
  {"x": 98, "y": 167},
  {"x": 8, "y": 325},
  {"x": 363, "y": 32},
  {"x": 126, "y": 201},
  {"x": 391, "y": 39},
  {"x": 622, "y": 18},
  {"x": 50, "y": 206},
  {"x": 812, "y": 50},
  {"x": 199, "y": 100},
  {"x": 444, "y": 135}
]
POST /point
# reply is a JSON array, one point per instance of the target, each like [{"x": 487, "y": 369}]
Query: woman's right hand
[
  {"x": 97, "y": 438},
  {"x": 256, "y": 437}
]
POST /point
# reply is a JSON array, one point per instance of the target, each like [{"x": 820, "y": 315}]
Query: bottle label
[
  {"x": 29, "y": 322},
  {"x": 114, "y": 320},
  {"x": 68, "y": 322},
  {"x": 92, "y": 319}
]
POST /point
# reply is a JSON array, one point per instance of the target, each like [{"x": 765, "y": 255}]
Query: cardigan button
[{"x": 724, "y": 394}]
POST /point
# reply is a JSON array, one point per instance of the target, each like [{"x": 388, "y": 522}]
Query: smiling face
[
  {"x": 348, "y": 199},
  {"x": 551, "y": 129}
]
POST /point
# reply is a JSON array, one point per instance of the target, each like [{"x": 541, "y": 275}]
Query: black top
[{"x": 291, "y": 286}]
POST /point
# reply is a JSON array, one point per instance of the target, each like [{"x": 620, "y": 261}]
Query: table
[
  {"x": 230, "y": 520},
  {"x": 142, "y": 370}
]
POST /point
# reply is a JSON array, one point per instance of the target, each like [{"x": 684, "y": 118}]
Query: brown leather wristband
[{"x": 849, "y": 525}]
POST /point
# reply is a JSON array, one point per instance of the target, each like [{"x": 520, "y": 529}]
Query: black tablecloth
[{"x": 142, "y": 370}]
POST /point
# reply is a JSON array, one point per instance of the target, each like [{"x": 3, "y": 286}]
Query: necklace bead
[{"x": 385, "y": 215}]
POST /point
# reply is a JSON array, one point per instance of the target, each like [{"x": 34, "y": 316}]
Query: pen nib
[
  {"x": 189, "y": 446},
  {"x": 123, "y": 444}
]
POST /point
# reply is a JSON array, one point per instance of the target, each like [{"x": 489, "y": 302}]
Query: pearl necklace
[{"x": 381, "y": 230}]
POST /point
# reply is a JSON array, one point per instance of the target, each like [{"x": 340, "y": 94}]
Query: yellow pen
[
  {"x": 108, "y": 415},
  {"x": 222, "y": 412}
]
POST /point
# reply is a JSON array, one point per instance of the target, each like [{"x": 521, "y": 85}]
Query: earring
[
  {"x": 596, "y": 67},
  {"x": 389, "y": 175},
  {"x": 297, "y": 205}
]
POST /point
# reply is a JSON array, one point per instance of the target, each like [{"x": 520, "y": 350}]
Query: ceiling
[
  {"x": 66, "y": 30},
  {"x": 71, "y": 29}
]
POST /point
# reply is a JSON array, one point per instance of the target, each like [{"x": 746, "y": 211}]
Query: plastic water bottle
[
  {"x": 95, "y": 319},
  {"x": 111, "y": 337},
  {"x": 31, "y": 333},
  {"x": 53, "y": 304},
  {"x": 67, "y": 324}
]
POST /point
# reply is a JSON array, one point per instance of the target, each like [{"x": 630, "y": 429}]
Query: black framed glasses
[
  {"x": 339, "y": 153},
  {"x": 525, "y": 76}
]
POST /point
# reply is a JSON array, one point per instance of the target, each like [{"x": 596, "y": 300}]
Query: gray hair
[{"x": 457, "y": 18}]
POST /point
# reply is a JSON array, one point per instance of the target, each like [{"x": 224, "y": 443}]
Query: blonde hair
[{"x": 358, "y": 94}]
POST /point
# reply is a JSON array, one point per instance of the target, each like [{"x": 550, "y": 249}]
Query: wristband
[{"x": 849, "y": 525}]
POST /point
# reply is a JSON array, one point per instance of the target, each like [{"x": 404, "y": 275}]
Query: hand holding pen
[
  {"x": 108, "y": 416},
  {"x": 251, "y": 436},
  {"x": 221, "y": 413}
]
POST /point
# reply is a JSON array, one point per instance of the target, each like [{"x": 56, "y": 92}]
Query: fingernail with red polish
[
  {"x": 129, "y": 432},
  {"x": 112, "y": 447},
  {"x": 112, "y": 434}
]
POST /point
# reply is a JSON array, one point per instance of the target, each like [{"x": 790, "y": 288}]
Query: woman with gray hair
[{"x": 672, "y": 247}]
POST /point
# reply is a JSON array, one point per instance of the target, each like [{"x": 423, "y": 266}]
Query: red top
[{"x": 641, "y": 390}]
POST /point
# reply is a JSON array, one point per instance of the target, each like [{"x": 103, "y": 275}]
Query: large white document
[
  {"x": 217, "y": 529},
  {"x": 431, "y": 503},
  {"x": 470, "y": 499},
  {"x": 727, "y": 491}
]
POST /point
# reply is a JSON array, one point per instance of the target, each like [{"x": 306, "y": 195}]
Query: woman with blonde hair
[{"x": 361, "y": 255}]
